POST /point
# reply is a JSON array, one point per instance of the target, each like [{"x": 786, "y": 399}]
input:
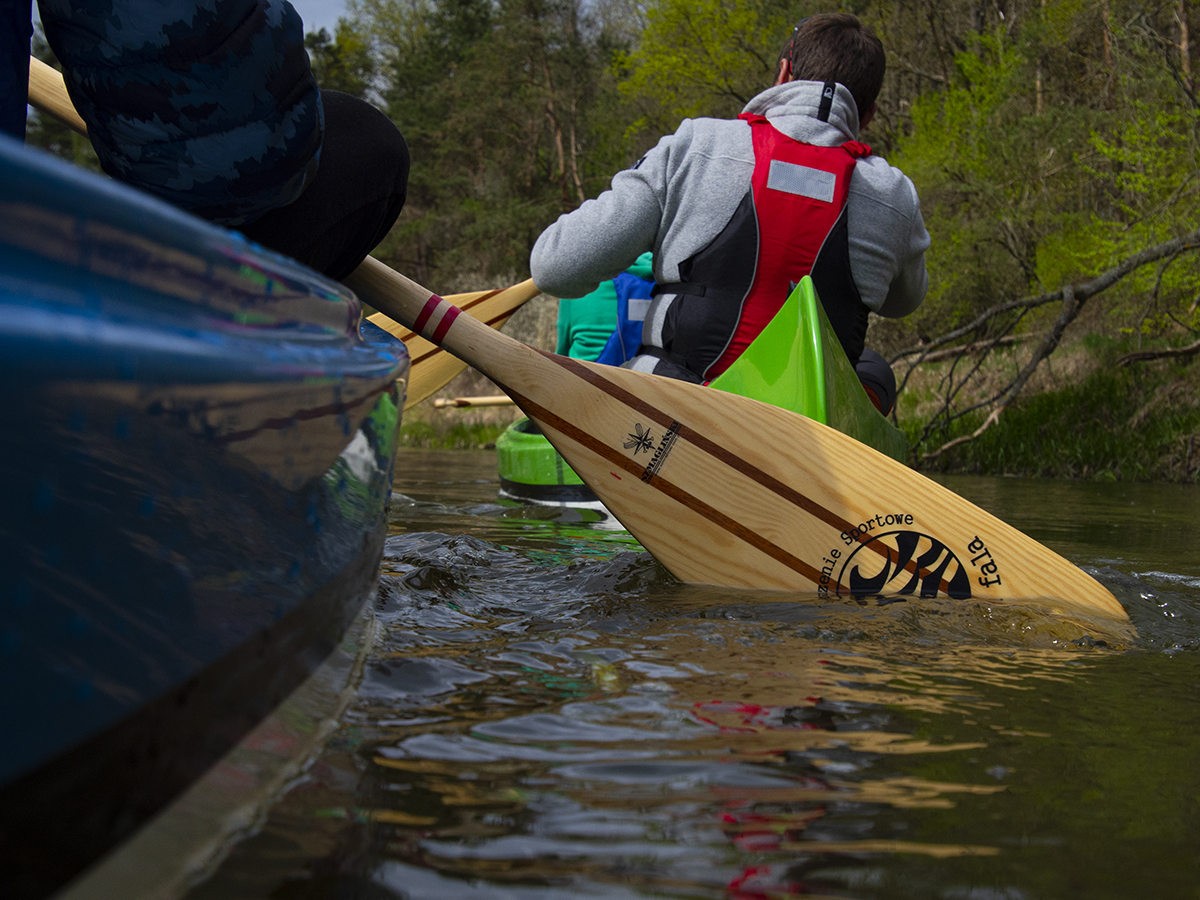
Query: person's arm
[
  {"x": 604, "y": 236},
  {"x": 888, "y": 239},
  {"x": 911, "y": 281}
]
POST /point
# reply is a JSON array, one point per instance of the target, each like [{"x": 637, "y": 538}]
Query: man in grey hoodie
[{"x": 737, "y": 211}]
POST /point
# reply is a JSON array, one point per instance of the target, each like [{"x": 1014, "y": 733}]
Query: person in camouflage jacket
[
  {"x": 211, "y": 105},
  {"x": 208, "y": 104}
]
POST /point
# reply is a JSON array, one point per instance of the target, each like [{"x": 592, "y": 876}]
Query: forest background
[{"x": 1054, "y": 145}]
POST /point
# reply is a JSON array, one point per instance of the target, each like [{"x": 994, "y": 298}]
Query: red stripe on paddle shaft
[
  {"x": 412, "y": 334},
  {"x": 426, "y": 312},
  {"x": 443, "y": 326},
  {"x": 701, "y": 442},
  {"x": 493, "y": 322},
  {"x": 435, "y": 349},
  {"x": 673, "y": 491}
]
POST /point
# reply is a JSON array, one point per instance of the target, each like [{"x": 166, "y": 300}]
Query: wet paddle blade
[
  {"x": 726, "y": 490},
  {"x": 432, "y": 367}
]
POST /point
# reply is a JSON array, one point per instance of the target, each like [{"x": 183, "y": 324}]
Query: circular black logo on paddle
[{"x": 903, "y": 562}]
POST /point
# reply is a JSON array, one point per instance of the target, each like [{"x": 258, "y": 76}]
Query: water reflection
[{"x": 547, "y": 714}]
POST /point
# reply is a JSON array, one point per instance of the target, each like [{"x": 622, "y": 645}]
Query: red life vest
[{"x": 792, "y": 223}]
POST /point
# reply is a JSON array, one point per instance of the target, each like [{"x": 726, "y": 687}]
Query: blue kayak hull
[{"x": 197, "y": 458}]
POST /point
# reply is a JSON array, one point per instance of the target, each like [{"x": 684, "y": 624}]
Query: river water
[{"x": 546, "y": 713}]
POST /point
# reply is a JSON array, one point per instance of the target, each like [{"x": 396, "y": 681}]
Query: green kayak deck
[{"x": 796, "y": 363}]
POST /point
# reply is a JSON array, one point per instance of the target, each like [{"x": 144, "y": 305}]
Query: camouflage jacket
[{"x": 208, "y": 104}]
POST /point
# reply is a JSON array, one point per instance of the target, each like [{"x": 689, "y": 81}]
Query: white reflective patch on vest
[
  {"x": 642, "y": 364},
  {"x": 804, "y": 181},
  {"x": 638, "y": 307},
  {"x": 652, "y": 326}
]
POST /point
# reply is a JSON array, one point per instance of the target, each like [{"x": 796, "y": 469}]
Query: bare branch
[
  {"x": 1144, "y": 355},
  {"x": 991, "y": 420},
  {"x": 1082, "y": 292},
  {"x": 913, "y": 70},
  {"x": 1006, "y": 340},
  {"x": 1070, "y": 311}
]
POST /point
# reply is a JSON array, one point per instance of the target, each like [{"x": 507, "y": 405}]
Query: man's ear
[
  {"x": 785, "y": 72},
  {"x": 867, "y": 117}
]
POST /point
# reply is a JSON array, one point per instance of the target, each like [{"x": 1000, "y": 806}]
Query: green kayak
[{"x": 796, "y": 363}]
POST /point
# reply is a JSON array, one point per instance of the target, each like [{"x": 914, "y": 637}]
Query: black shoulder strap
[{"x": 826, "y": 100}]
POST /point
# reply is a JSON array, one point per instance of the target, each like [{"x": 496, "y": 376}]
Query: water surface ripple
[{"x": 546, "y": 713}]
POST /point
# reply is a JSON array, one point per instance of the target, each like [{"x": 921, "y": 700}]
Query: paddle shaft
[
  {"x": 430, "y": 316},
  {"x": 472, "y": 402},
  {"x": 432, "y": 367}
]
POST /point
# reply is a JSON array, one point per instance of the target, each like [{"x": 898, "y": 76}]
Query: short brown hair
[{"x": 837, "y": 47}]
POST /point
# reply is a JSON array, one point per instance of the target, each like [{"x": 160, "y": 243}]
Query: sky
[{"x": 320, "y": 13}]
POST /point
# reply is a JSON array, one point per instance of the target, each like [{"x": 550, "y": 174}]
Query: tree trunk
[{"x": 1185, "y": 52}]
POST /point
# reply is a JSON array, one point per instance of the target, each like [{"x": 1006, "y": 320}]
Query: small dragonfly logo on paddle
[{"x": 640, "y": 440}]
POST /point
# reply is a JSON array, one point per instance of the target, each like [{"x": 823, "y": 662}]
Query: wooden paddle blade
[
  {"x": 726, "y": 490},
  {"x": 432, "y": 367},
  {"x": 746, "y": 494}
]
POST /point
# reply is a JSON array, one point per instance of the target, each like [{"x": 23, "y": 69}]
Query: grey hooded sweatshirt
[{"x": 679, "y": 196}]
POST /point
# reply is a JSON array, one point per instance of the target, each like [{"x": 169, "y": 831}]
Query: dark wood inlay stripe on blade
[{"x": 703, "y": 443}]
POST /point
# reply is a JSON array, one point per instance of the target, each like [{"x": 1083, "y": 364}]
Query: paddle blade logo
[
  {"x": 641, "y": 440},
  {"x": 904, "y": 562}
]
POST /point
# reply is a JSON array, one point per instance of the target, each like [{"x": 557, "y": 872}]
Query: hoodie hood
[{"x": 794, "y": 108}]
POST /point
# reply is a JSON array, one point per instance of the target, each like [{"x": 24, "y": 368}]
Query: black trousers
[
  {"x": 349, "y": 207},
  {"x": 878, "y": 378}
]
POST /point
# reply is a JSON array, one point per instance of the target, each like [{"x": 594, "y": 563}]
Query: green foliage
[
  {"x": 1049, "y": 140},
  {"x": 341, "y": 63},
  {"x": 512, "y": 118},
  {"x": 997, "y": 181},
  {"x": 702, "y": 57},
  {"x": 1061, "y": 145}
]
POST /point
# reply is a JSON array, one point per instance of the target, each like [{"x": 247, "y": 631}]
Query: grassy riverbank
[
  {"x": 428, "y": 435},
  {"x": 1098, "y": 422}
]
